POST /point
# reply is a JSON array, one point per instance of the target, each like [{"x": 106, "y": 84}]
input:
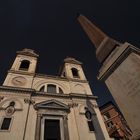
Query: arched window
[
  {"x": 60, "y": 90},
  {"x": 51, "y": 88},
  {"x": 42, "y": 89},
  {"x": 24, "y": 65},
  {"x": 88, "y": 115},
  {"x": 75, "y": 73}
]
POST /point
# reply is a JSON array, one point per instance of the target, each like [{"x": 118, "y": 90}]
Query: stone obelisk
[{"x": 120, "y": 71}]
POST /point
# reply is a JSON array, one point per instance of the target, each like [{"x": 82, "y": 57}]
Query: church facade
[{"x": 41, "y": 107}]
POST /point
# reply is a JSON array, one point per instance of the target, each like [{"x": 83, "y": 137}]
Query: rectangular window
[
  {"x": 52, "y": 130},
  {"x": 51, "y": 88},
  {"x": 107, "y": 116},
  {"x": 110, "y": 124},
  {"x": 6, "y": 124},
  {"x": 90, "y": 125}
]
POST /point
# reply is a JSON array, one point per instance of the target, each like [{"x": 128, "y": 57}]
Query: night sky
[{"x": 50, "y": 28}]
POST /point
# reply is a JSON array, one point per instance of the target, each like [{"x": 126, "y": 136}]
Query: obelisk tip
[{"x": 93, "y": 32}]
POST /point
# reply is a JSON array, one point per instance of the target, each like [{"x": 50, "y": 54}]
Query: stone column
[
  {"x": 38, "y": 127},
  {"x": 66, "y": 132}
]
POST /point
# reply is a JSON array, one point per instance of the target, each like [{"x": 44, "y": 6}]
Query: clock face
[
  {"x": 19, "y": 81},
  {"x": 9, "y": 110}
]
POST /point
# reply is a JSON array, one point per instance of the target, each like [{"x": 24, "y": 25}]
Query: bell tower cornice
[{"x": 28, "y": 52}]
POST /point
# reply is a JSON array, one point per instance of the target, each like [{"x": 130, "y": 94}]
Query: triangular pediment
[{"x": 51, "y": 104}]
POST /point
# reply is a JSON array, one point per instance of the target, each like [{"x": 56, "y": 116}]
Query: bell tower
[
  {"x": 23, "y": 69},
  {"x": 72, "y": 69}
]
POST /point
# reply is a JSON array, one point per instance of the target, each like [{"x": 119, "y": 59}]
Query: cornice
[
  {"x": 16, "y": 89},
  {"x": 21, "y": 72},
  {"x": 69, "y": 96},
  {"x": 72, "y": 61},
  {"x": 28, "y": 52},
  {"x": 38, "y": 94},
  {"x": 128, "y": 49},
  {"x": 77, "y": 95},
  {"x": 39, "y": 75},
  {"x": 77, "y": 80}
]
